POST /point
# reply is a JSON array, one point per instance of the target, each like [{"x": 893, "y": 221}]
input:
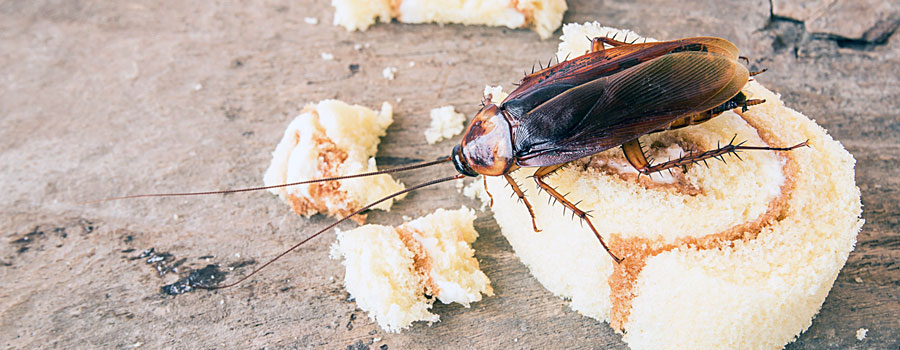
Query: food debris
[
  {"x": 475, "y": 190},
  {"x": 861, "y": 333},
  {"x": 446, "y": 122},
  {"x": 311, "y": 20},
  {"x": 389, "y": 72},
  {"x": 327, "y": 56}
]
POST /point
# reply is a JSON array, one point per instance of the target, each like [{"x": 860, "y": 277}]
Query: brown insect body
[{"x": 601, "y": 100}]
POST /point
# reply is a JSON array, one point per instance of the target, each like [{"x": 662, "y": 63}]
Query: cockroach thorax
[{"x": 486, "y": 146}]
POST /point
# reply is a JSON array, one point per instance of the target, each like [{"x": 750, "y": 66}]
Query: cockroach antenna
[
  {"x": 329, "y": 227},
  {"x": 249, "y": 189}
]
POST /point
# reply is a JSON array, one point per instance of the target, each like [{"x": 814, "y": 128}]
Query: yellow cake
[
  {"x": 736, "y": 255},
  {"x": 332, "y": 138},
  {"x": 446, "y": 123},
  {"x": 544, "y": 16},
  {"x": 390, "y": 270}
]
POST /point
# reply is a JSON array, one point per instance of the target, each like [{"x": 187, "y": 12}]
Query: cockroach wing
[
  {"x": 590, "y": 66},
  {"x": 621, "y": 107}
]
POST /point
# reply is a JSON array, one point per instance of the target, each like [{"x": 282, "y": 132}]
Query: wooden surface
[{"x": 101, "y": 98}]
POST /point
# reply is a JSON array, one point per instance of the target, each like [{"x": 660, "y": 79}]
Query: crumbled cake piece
[
  {"x": 544, "y": 16},
  {"x": 861, "y": 333},
  {"x": 446, "y": 122},
  {"x": 496, "y": 93},
  {"x": 389, "y": 73},
  {"x": 332, "y": 138},
  {"x": 390, "y": 270}
]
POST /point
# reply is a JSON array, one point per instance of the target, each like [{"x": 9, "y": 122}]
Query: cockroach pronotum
[{"x": 605, "y": 98}]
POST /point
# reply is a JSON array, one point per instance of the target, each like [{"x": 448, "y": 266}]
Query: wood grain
[{"x": 103, "y": 98}]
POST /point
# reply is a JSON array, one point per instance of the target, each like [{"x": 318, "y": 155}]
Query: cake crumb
[
  {"x": 311, "y": 20},
  {"x": 496, "y": 93},
  {"x": 389, "y": 73},
  {"x": 857, "y": 280},
  {"x": 446, "y": 122},
  {"x": 327, "y": 56},
  {"x": 861, "y": 333},
  {"x": 475, "y": 190}
]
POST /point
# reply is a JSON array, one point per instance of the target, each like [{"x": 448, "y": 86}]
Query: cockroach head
[
  {"x": 486, "y": 147},
  {"x": 459, "y": 161}
]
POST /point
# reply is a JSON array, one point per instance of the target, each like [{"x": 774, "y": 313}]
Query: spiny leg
[
  {"x": 758, "y": 72},
  {"x": 597, "y": 43},
  {"x": 635, "y": 155},
  {"x": 751, "y": 102},
  {"x": 486, "y": 190},
  {"x": 539, "y": 179},
  {"x": 521, "y": 194}
]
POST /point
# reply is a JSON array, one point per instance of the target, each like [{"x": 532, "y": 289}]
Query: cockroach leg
[
  {"x": 486, "y": 190},
  {"x": 539, "y": 179},
  {"x": 635, "y": 155},
  {"x": 597, "y": 43},
  {"x": 521, "y": 194},
  {"x": 486, "y": 99},
  {"x": 752, "y": 102},
  {"x": 744, "y": 59},
  {"x": 757, "y": 72}
]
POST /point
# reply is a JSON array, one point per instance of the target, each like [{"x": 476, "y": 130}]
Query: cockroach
[{"x": 606, "y": 98}]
